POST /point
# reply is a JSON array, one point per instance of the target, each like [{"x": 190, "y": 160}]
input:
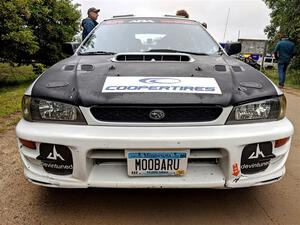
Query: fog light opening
[
  {"x": 28, "y": 144},
  {"x": 281, "y": 142}
]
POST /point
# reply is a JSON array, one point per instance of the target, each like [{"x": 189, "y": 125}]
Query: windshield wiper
[
  {"x": 177, "y": 51},
  {"x": 97, "y": 53}
]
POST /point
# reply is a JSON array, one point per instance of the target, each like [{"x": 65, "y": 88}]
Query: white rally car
[{"x": 153, "y": 102}]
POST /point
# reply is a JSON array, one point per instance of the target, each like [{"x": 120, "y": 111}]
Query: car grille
[{"x": 141, "y": 114}]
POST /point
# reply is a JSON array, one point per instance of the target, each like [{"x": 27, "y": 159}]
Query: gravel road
[{"x": 24, "y": 203}]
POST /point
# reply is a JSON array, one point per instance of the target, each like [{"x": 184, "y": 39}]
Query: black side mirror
[
  {"x": 233, "y": 48},
  {"x": 69, "y": 48}
]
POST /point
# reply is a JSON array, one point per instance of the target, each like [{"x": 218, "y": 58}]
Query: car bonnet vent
[
  {"x": 69, "y": 67},
  {"x": 153, "y": 57},
  {"x": 237, "y": 69},
  {"x": 220, "y": 68},
  {"x": 87, "y": 67}
]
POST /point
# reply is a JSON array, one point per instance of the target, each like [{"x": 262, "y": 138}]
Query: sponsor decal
[
  {"x": 235, "y": 170},
  {"x": 237, "y": 179},
  {"x": 141, "y": 21},
  {"x": 256, "y": 157},
  {"x": 195, "y": 85},
  {"x": 54, "y": 155},
  {"x": 174, "y": 21},
  {"x": 236, "y": 173},
  {"x": 113, "y": 22},
  {"x": 56, "y": 159},
  {"x": 258, "y": 153},
  {"x": 160, "y": 81},
  {"x": 55, "y": 166}
]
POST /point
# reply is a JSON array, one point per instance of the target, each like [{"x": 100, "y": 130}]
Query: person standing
[
  {"x": 284, "y": 52},
  {"x": 90, "y": 22},
  {"x": 182, "y": 13}
]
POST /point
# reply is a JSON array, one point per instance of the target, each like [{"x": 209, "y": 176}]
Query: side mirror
[
  {"x": 233, "y": 48},
  {"x": 69, "y": 48}
]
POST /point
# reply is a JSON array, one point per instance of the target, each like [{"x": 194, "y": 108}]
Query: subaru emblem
[{"x": 157, "y": 114}]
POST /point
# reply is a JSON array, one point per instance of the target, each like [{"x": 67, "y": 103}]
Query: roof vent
[{"x": 152, "y": 57}]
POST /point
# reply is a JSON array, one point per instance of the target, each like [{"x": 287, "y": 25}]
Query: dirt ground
[{"x": 24, "y": 203}]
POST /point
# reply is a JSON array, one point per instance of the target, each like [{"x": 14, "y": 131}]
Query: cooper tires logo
[
  {"x": 157, "y": 114},
  {"x": 160, "y": 81},
  {"x": 256, "y": 157}
]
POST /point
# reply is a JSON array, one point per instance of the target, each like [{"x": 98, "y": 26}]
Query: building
[{"x": 253, "y": 46}]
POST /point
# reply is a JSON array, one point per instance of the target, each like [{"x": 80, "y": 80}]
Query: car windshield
[{"x": 146, "y": 35}]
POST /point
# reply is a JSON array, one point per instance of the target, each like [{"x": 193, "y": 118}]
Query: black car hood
[{"x": 79, "y": 80}]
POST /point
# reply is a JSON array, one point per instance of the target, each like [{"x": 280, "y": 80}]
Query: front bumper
[{"x": 224, "y": 143}]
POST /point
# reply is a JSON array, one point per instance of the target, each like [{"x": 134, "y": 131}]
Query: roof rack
[{"x": 118, "y": 16}]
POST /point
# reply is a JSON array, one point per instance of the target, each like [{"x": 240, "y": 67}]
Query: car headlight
[
  {"x": 260, "y": 111},
  {"x": 35, "y": 109}
]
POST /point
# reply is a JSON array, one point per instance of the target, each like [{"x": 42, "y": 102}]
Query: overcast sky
[{"x": 250, "y": 17}]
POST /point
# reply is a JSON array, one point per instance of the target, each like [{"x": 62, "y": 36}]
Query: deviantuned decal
[
  {"x": 199, "y": 85},
  {"x": 256, "y": 158},
  {"x": 56, "y": 159}
]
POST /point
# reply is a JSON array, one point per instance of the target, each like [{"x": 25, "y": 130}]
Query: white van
[{"x": 269, "y": 62}]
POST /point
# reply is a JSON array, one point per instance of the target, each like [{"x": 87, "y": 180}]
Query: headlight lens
[
  {"x": 260, "y": 111},
  {"x": 35, "y": 109}
]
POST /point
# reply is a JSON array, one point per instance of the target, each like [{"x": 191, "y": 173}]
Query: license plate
[{"x": 156, "y": 163}]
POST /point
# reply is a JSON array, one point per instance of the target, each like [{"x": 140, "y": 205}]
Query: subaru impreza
[{"x": 153, "y": 102}]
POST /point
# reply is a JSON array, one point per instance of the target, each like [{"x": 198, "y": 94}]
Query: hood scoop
[
  {"x": 87, "y": 67},
  {"x": 220, "y": 68},
  {"x": 69, "y": 67},
  {"x": 152, "y": 57}
]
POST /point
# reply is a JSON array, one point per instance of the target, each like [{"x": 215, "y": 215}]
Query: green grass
[
  {"x": 292, "y": 77},
  {"x": 10, "y": 99},
  {"x": 10, "y": 105},
  {"x": 12, "y": 75},
  {"x": 13, "y": 82}
]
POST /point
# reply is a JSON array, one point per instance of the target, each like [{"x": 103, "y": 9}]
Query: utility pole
[{"x": 226, "y": 25}]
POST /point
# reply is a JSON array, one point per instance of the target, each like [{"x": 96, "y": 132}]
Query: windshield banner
[{"x": 200, "y": 85}]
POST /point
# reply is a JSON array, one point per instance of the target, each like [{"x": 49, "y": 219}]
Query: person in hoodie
[
  {"x": 284, "y": 52},
  {"x": 90, "y": 22}
]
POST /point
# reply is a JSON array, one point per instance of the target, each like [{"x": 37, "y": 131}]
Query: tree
[
  {"x": 34, "y": 30},
  {"x": 17, "y": 40},
  {"x": 53, "y": 22},
  {"x": 285, "y": 19}
]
